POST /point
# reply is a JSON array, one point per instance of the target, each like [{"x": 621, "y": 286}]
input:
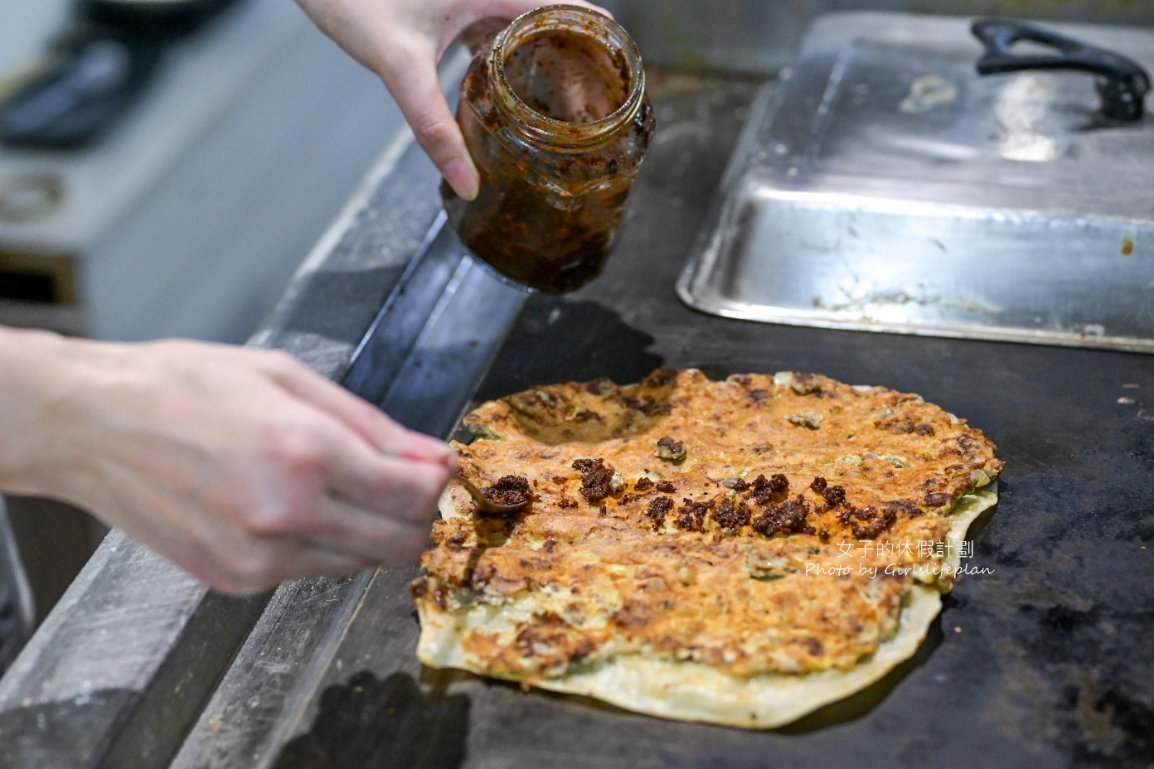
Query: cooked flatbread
[{"x": 740, "y": 552}]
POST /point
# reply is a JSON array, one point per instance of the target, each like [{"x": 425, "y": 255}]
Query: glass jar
[{"x": 555, "y": 116}]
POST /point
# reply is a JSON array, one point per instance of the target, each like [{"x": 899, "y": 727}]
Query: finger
[
  {"x": 411, "y": 78},
  {"x": 389, "y": 487},
  {"x": 366, "y": 420},
  {"x": 418, "y": 93},
  {"x": 244, "y": 564},
  {"x": 343, "y": 527},
  {"x": 479, "y": 32}
]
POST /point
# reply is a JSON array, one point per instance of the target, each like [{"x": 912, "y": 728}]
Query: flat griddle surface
[{"x": 1042, "y": 657}]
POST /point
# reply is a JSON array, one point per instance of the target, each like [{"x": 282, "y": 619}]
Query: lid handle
[{"x": 1123, "y": 83}]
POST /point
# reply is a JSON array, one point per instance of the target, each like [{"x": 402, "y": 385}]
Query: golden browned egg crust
[{"x": 760, "y": 524}]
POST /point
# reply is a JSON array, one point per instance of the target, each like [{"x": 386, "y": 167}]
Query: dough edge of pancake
[{"x": 692, "y": 691}]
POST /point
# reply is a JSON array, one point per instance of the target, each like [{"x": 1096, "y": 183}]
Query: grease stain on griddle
[
  {"x": 1067, "y": 688},
  {"x": 1129, "y": 722},
  {"x": 390, "y": 723}
]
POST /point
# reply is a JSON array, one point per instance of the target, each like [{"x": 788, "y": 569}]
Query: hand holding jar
[
  {"x": 402, "y": 41},
  {"x": 555, "y": 115}
]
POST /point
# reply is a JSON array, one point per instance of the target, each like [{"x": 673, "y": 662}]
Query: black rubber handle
[
  {"x": 103, "y": 62},
  {"x": 72, "y": 102},
  {"x": 151, "y": 20},
  {"x": 1123, "y": 84}
]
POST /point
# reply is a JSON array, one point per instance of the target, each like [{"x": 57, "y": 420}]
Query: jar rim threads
[{"x": 590, "y": 26}]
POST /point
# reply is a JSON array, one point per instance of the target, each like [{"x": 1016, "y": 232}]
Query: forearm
[
  {"x": 240, "y": 465},
  {"x": 34, "y": 378}
]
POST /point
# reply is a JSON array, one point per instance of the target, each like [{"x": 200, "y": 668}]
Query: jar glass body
[{"x": 555, "y": 116}]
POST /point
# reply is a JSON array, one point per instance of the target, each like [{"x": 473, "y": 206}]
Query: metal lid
[{"x": 886, "y": 185}]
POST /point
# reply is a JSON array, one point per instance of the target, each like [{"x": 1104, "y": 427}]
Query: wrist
[{"x": 34, "y": 379}]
